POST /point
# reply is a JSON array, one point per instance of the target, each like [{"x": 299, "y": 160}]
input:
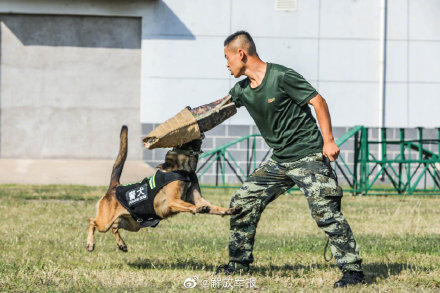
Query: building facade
[{"x": 72, "y": 72}]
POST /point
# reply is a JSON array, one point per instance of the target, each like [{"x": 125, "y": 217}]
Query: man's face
[{"x": 234, "y": 61}]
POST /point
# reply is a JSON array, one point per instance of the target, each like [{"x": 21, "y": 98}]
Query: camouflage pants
[{"x": 316, "y": 180}]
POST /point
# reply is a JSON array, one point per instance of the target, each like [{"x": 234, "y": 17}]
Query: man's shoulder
[
  {"x": 279, "y": 68},
  {"x": 278, "y": 71},
  {"x": 242, "y": 84},
  {"x": 239, "y": 86},
  {"x": 237, "y": 91}
]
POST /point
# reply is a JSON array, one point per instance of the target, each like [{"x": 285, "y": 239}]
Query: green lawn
[{"x": 43, "y": 232}]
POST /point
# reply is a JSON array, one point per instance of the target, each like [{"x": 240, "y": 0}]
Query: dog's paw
[
  {"x": 90, "y": 247},
  {"x": 235, "y": 211},
  {"x": 203, "y": 209},
  {"x": 123, "y": 248}
]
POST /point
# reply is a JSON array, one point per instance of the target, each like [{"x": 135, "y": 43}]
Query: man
[{"x": 277, "y": 98}]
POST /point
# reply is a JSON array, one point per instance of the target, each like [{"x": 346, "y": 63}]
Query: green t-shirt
[{"x": 280, "y": 111}]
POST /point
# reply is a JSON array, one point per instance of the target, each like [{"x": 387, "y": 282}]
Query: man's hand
[{"x": 331, "y": 150}]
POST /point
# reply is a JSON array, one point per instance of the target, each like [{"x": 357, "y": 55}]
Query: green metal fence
[
  {"x": 221, "y": 157},
  {"x": 414, "y": 170}
]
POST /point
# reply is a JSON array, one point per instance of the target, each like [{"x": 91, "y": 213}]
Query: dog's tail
[{"x": 120, "y": 160}]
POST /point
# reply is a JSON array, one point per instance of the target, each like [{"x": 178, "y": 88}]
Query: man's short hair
[{"x": 245, "y": 39}]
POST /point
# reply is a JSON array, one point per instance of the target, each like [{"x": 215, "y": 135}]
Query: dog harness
[{"x": 138, "y": 198}]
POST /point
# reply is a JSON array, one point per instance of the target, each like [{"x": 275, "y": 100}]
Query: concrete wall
[{"x": 68, "y": 84}]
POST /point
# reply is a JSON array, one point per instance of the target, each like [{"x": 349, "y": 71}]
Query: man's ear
[{"x": 242, "y": 54}]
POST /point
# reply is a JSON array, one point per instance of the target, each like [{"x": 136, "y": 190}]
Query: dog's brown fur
[{"x": 175, "y": 197}]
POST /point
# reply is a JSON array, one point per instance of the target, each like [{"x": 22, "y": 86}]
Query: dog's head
[{"x": 184, "y": 157}]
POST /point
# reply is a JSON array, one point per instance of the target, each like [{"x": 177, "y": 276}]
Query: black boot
[
  {"x": 350, "y": 278},
  {"x": 233, "y": 268}
]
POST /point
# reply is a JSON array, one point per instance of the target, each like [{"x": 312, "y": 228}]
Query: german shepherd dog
[{"x": 177, "y": 196}]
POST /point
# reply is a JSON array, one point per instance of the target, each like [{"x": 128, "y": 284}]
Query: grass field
[{"x": 43, "y": 233}]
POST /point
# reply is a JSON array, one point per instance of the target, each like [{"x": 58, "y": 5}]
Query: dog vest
[{"x": 138, "y": 198}]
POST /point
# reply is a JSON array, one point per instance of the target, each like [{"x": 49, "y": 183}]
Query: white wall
[{"x": 333, "y": 43}]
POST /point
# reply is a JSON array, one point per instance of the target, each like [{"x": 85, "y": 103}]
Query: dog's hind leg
[
  {"x": 115, "y": 230},
  {"x": 127, "y": 224},
  {"x": 102, "y": 222},
  {"x": 109, "y": 210},
  {"x": 90, "y": 235},
  {"x": 97, "y": 223}
]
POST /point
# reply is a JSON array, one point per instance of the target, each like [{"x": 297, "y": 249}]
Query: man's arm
[
  {"x": 330, "y": 149},
  {"x": 200, "y": 110},
  {"x": 210, "y": 115}
]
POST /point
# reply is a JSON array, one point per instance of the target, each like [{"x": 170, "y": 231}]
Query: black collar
[{"x": 186, "y": 152}]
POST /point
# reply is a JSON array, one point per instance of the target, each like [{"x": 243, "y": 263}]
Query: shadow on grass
[
  {"x": 385, "y": 270},
  {"x": 372, "y": 270},
  {"x": 279, "y": 270},
  {"x": 146, "y": 264}
]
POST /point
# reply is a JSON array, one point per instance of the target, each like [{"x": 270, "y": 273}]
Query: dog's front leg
[
  {"x": 213, "y": 209},
  {"x": 178, "y": 205},
  {"x": 168, "y": 201}
]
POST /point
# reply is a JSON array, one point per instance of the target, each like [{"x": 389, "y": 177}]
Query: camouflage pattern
[{"x": 315, "y": 177}]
